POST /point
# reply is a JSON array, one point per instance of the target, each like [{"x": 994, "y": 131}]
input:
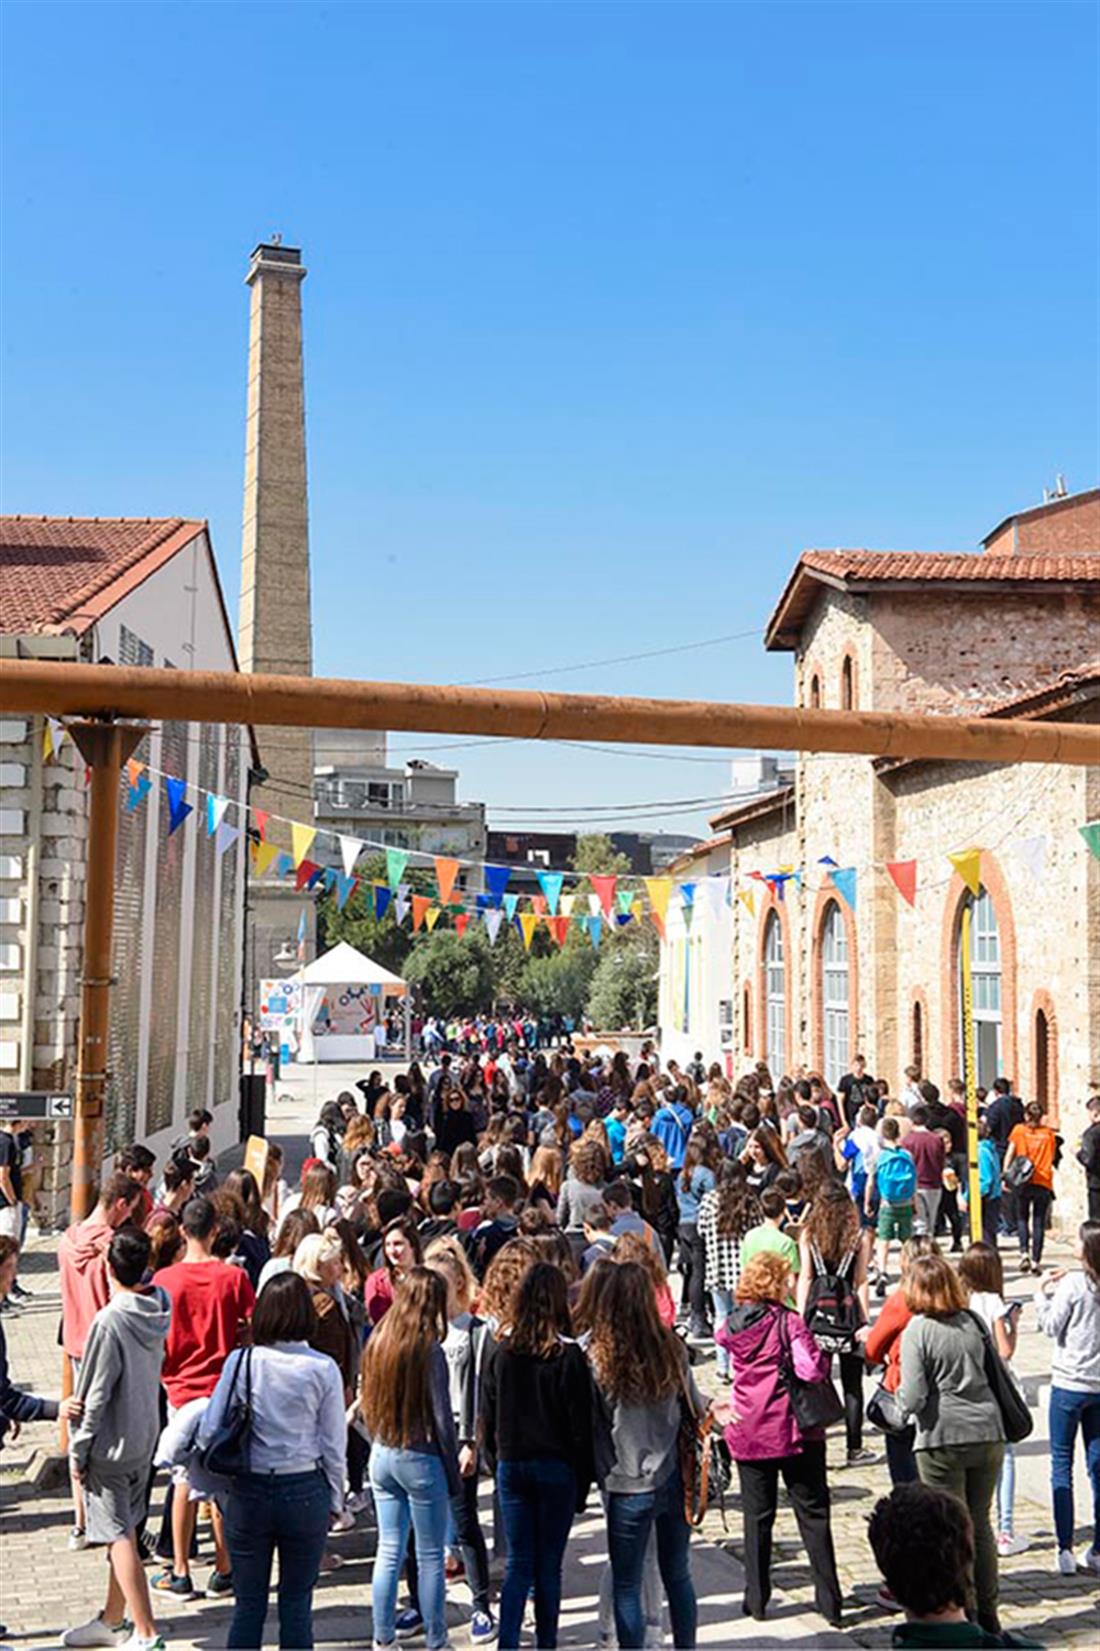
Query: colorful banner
[
  {"x": 659, "y": 890},
  {"x": 903, "y": 875},
  {"x": 844, "y": 881},
  {"x": 494, "y": 917},
  {"x": 968, "y": 864},
  {"x": 396, "y": 861},
  {"x": 215, "y": 812},
  {"x": 178, "y": 810},
  {"x": 496, "y": 880},
  {"x": 420, "y": 904},
  {"x": 301, "y": 841},
  {"x": 550, "y": 883},
  {"x": 528, "y": 923},
  {"x": 1091, "y": 834},
  {"x": 1032, "y": 851},
  {"x": 350, "y": 850},
  {"x": 604, "y": 887}
]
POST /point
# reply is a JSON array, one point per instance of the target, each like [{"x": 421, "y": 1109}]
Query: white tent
[{"x": 343, "y": 1006}]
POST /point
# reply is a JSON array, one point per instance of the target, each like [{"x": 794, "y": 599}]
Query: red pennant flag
[
  {"x": 759, "y": 875},
  {"x": 307, "y": 870},
  {"x": 903, "y": 875},
  {"x": 604, "y": 886},
  {"x": 445, "y": 873},
  {"x": 559, "y": 928},
  {"x": 420, "y": 903},
  {"x": 461, "y": 920},
  {"x": 538, "y": 904},
  {"x": 261, "y": 817}
]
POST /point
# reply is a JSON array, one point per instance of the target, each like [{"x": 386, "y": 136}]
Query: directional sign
[{"x": 31, "y": 1104}]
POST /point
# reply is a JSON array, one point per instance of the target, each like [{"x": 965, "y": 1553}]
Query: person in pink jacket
[{"x": 764, "y": 1438}]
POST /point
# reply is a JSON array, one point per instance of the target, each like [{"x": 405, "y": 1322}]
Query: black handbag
[
  {"x": 228, "y": 1451},
  {"x": 1019, "y": 1173},
  {"x": 1017, "y": 1418},
  {"x": 884, "y": 1412},
  {"x": 814, "y": 1404}
]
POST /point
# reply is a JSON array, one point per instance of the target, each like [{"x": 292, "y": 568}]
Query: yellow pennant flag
[
  {"x": 636, "y": 910},
  {"x": 968, "y": 864},
  {"x": 748, "y": 900},
  {"x": 301, "y": 841},
  {"x": 431, "y": 917},
  {"x": 659, "y": 890},
  {"x": 53, "y": 735},
  {"x": 264, "y": 855},
  {"x": 528, "y": 922},
  {"x": 445, "y": 873}
]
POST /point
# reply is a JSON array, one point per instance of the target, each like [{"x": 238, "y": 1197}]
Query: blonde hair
[
  {"x": 447, "y": 1256},
  {"x": 316, "y": 1251}
]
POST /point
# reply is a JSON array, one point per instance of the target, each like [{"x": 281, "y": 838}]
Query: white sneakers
[
  {"x": 1066, "y": 1562},
  {"x": 1008, "y": 1545},
  {"x": 1089, "y": 1560},
  {"x": 97, "y": 1632}
]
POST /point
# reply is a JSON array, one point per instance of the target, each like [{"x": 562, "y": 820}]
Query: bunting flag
[
  {"x": 462, "y": 918},
  {"x": 53, "y": 733},
  {"x": 796, "y": 877},
  {"x": 302, "y": 931},
  {"x": 538, "y": 904},
  {"x": 604, "y": 886},
  {"x": 1033, "y": 852},
  {"x": 134, "y": 771},
  {"x": 568, "y": 901},
  {"x": 968, "y": 864},
  {"x": 659, "y": 890},
  {"x": 658, "y": 923},
  {"x": 261, "y": 817},
  {"x": 511, "y": 901},
  {"x": 215, "y": 812},
  {"x": 345, "y": 886},
  {"x": 396, "y": 861},
  {"x": 225, "y": 836},
  {"x": 420, "y": 904},
  {"x": 446, "y": 871},
  {"x": 528, "y": 922},
  {"x": 718, "y": 893},
  {"x": 496, "y": 880},
  {"x": 301, "y": 841},
  {"x": 624, "y": 899},
  {"x": 1091, "y": 834},
  {"x": 350, "y": 850},
  {"x": 826, "y": 860},
  {"x": 138, "y": 792},
  {"x": 748, "y": 900},
  {"x": 687, "y": 899},
  {"x": 401, "y": 902},
  {"x": 903, "y": 875},
  {"x": 622, "y": 918},
  {"x": 844, "y": 881},
  {"x": 329, "y": 878},
  {"x": 307, "y": 874},
  {"x": 383, "y": 894},
  {"x": 284, "y": 865},
  {"x": 559, "y": 928},
  {"x": 178, "y": 810},
  {"x": 494, "y": 917},
  {"x": 431, "y": 918},
  {"x": 263, "y": 854},
  {"x": 595, "y": 927},
  {"x": 595, "y": 905},
  {"x": 550, "y": 883}
]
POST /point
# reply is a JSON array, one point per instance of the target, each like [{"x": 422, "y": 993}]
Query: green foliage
[
  {"x": 596, "y": 853},
  {"x": 623, "y": 991},
  {"x": 558, "y": 984},
  {"x": 454, "y": 973},
  {"x": 386, "y": 942}
]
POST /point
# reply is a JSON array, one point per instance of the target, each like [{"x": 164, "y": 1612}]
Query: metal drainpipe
[{"x": 30, "y": 966}]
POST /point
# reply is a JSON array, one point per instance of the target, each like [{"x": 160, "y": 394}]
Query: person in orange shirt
[{"x": 1038, "y": 1143}]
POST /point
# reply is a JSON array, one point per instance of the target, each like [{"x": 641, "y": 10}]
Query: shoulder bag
[
  {"x": 704, "y": 1460},
  {"x": 1015, "y": 1415},
  {"x": 884, "y": 1412},
  {"x": 228, "y": 1451},
  {"x": 1019, "y": 1172},
  {"x": 815, "y": 1404}
]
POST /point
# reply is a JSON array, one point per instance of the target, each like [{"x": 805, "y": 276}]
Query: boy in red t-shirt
[{"x": 212, "y": 1303}]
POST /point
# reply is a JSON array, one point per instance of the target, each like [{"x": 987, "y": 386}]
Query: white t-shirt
[{"x": 989, "y": 1307}]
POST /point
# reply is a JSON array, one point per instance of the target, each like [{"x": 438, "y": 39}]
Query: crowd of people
[{"x": 469, "y": 1281}]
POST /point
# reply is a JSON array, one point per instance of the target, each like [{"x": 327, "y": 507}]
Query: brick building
[{"x": 1011, "y": 631}]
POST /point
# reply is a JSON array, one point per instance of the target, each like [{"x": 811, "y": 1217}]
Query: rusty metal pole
[{"x": 104, "y": 747}]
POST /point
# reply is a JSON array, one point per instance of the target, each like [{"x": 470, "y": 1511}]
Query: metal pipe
[{"x": 313, "y": 702}]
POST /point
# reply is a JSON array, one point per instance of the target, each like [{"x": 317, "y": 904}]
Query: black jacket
[{"x": 538, "y": 1407}]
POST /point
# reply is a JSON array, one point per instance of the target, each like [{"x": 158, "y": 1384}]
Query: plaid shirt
[{"x": 723, "y": 1255}]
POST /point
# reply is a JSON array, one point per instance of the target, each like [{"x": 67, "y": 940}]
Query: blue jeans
[
  {"x": 1006, "y": 1493},
  {"x": 629, "y": 1522},
  {"x": 265, "y": 1513},
  {"x": 723, "y": 1307},
  {"x": 1068, "y": 1411},
  {"x": 409, "y": 1488},
  {"x": 538, "y": 1499}
]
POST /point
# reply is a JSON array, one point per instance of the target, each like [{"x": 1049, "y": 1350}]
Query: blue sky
[{"x": 611, "y": 311}]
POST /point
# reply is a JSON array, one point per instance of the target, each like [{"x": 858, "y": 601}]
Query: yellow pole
[{"x": 970, "y": 1067}]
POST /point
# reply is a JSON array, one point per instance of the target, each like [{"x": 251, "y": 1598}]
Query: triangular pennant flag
[
  {"x": 493, "y": 919},
  {"x": 496, "y": 880},
  {"x": 567, "y": 902},
  {"x": 262, "y": 856},
  {"x": 624, "y": 899},
  {"x": 396, "y": 861},
  {"x": 215, "y": 812},
  {"x": 330, "y": 877},
  {"x": 687, "y": 895},
  {"x": 345, "y": 886},
  {"x": 604, "y": 886},
  {"x": 658, "y": 923},
  {"x": 350, "y": 850},
  {"x": 284, "y": 865},
  {"x": 420, "y": 904},
  {"x": 826, "y": 860},
  {"x": 659, "y": 890},
  {"x": 134, "y": 771},
  {"x": 595, "y": 905},
  {"x": 1091, "y": 834},
  {"x": 968, "y": 864},
  {"x": 306, "y": 874},
  {"x": 559, "y": 928},
  {"x": 844, "y": 881},
  {"x": 461, "y": 921},
  {"x": 445, "y": 873},
  {"x": 431, "y": 917},
  {"x": 748, "y": 900},
  {"x": 225, "y": 836},
  {"x": 797, "y": 879},
  {"x": 538, "y": 904},
  {"x": 637, "y": 910},
  {"x": 401, "y": 902},
  {"x": 261, "y": 817},
  {"x": 622, "y": 918},
  {"x": 178, "y": 810},
  {"x": 903, "y": 875},
  {"x": 138, "y": 793},
  {"x": 757, "y": 876},
  {"x": 528, "y": 923},
  {"x": 717, "y": 893},
  {"x": 383, "y": 894},
  {"x": 53, "y": 733},
  {"x": 1033, "y": 852},
  {"x": 301, "y": 841},
  {"x": 511, "y": 901},
  {"x": 595, "y": 929},
  {"x": 550, "y": 883}
]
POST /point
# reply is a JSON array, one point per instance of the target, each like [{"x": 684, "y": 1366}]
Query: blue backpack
[{"x": 896, "y": 1176}]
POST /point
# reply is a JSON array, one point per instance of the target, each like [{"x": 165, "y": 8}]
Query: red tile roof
[
  {"x": 860, "y": 570},
  {"x": 61, "y": 573}
]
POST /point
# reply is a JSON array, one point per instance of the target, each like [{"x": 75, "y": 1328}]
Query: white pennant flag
[
  {"x": 493, "y": 919},
  {"x": 718, "y": 892},
  {"x": 351, "y": 848},
  {"x": 595, "y": 905},
  {"x": 1033, "y": 852},
  {"x": 566, "y": 904},
  {"x": 401, "y": 902}
]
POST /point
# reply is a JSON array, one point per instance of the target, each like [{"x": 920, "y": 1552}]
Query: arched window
[
  {"x": 917, "y": 1040},
  {"x": 1042, "y": 1085},
  {"x": 815, "y": 692},
  {"x": 847, "y": 684},
  {"x": 985, "y": 975},
  {"x": 834, "y": 994},
  {"x": 775, "y": 996}
]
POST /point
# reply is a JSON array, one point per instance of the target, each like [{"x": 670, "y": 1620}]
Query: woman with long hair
[
  {"x": 536, "y": 1417},
  {"x": 317, "y": 1193},
  {"x": 583, "y": 1186},
  {"x": 297, "y": 1224},
  {"x": 881, "y": 1343},
  {"x": 326, "y": 1135},
  {"x": 764, "y": 1156},
  {"x": 501, "y": 1285},
  {"x": 406, "y": 1406},
  {"x": 544, "y": 1178},
  {"x": 959, "y": 1442},
  {"x": 726, "y": 1214},
  {"x": 319, "y": 1259},
  {"x": 656, "y": 1187},
  {"x": 641, "y": 1252},
  {"x": 693, "y": 1181},
  {"x": 642, "y": 1378},
  {"x": 454, "y": 1124},
  {"x": 831, "y": 1242},
  {"x": 1068, "y": 1306},
  {"x": 401, "y": 1252}
]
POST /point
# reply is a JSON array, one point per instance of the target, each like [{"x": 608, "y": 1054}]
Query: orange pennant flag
[
  {"x": 968, "y": 864},
  {"x": 461, "y": 921},
  {"x": 538, "y": 904},
  {"x": 528, "y": 923},
  {"x": 420, "y": 904},
  {"x": 134, "y": 771},
  {"x": 445, "y": 873},
  {"x": 658, "y": 923}
]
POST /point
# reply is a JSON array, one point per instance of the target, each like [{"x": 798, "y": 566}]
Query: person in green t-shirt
[{"x": 770, "y": 1235}]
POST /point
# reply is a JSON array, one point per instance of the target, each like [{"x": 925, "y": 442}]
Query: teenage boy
[
  {"x": 211, "y": 1305},
  {"x": 858, "y": 1089},
  {"x": 895, "y": 1182},
  {"x": 769, "y": 1235},
  {"x": 499, "y": 1222},
  {"x": 111, "y": 1448},
  {"x": 926, "y": 1148},
  {"x": 598, "y": 1240}
]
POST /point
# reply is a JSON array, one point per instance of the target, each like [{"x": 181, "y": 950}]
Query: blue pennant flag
[
  {"x": 511, "y": 901},
  {"x": 595, "y": 929},
  {"x": 344, "y": 886},
  {"x": 178, "y": 810},
  {"x": 383, "y": 894},
  {"x": 496, "y": 880},
  {"x": 284, "y": 864},
  {"x": 622, "y": 918},
  {"x": 138, "y": 793},
  {"x": 330, "y": 878},
  {"x": 484, "y": 901},
  {"x": 550, "y": 883},
  {"x": 215, "y": 812},
  {"x": 844, "y": 881},
  {"x": 826, "y": 860}
]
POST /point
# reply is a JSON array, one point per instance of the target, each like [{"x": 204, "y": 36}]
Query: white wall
[{"x": 695, "y": 988}]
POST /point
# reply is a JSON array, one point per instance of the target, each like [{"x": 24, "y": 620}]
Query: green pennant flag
[
  {"x": 396, "y": 861},
  {"x": 1091, "y": 834},
  {"x": 624, "y": 899}
]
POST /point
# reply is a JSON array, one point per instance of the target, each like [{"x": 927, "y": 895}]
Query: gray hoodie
[
  {"x": 1072, "y": 1317},
  {"x": 120, "y": 1382}
]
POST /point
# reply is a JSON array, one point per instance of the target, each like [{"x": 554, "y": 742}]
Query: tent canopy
[{"x": 344, "y": 966}]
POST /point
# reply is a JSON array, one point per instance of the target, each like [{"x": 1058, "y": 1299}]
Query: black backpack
[{"x": 833, "y": 1313}]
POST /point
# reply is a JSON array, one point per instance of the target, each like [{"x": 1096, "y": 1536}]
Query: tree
[
  {"x": 558, "y": 984},
  {"x": 453, "y": 973},
  {"x": 623, "y": 991},
  {"x": 385, "y": 941}
]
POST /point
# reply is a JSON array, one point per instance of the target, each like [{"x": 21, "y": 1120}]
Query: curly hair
[
  {"x": 635, "y": 1359},
  {"x": 636, "y": 1248},
  {"x": 503, "y": 1277},
  {"x": 588, "y": 1162},
  {"x": 921, "y": 1519},
  {"x": 542, "y": 1313},
  {"x": 766, "y": 1277}
]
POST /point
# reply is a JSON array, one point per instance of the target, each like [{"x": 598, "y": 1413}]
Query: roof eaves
[{"x": 772, "y": 803}]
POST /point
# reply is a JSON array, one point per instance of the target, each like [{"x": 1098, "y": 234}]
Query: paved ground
[{"x": 44, "y": 1588}]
